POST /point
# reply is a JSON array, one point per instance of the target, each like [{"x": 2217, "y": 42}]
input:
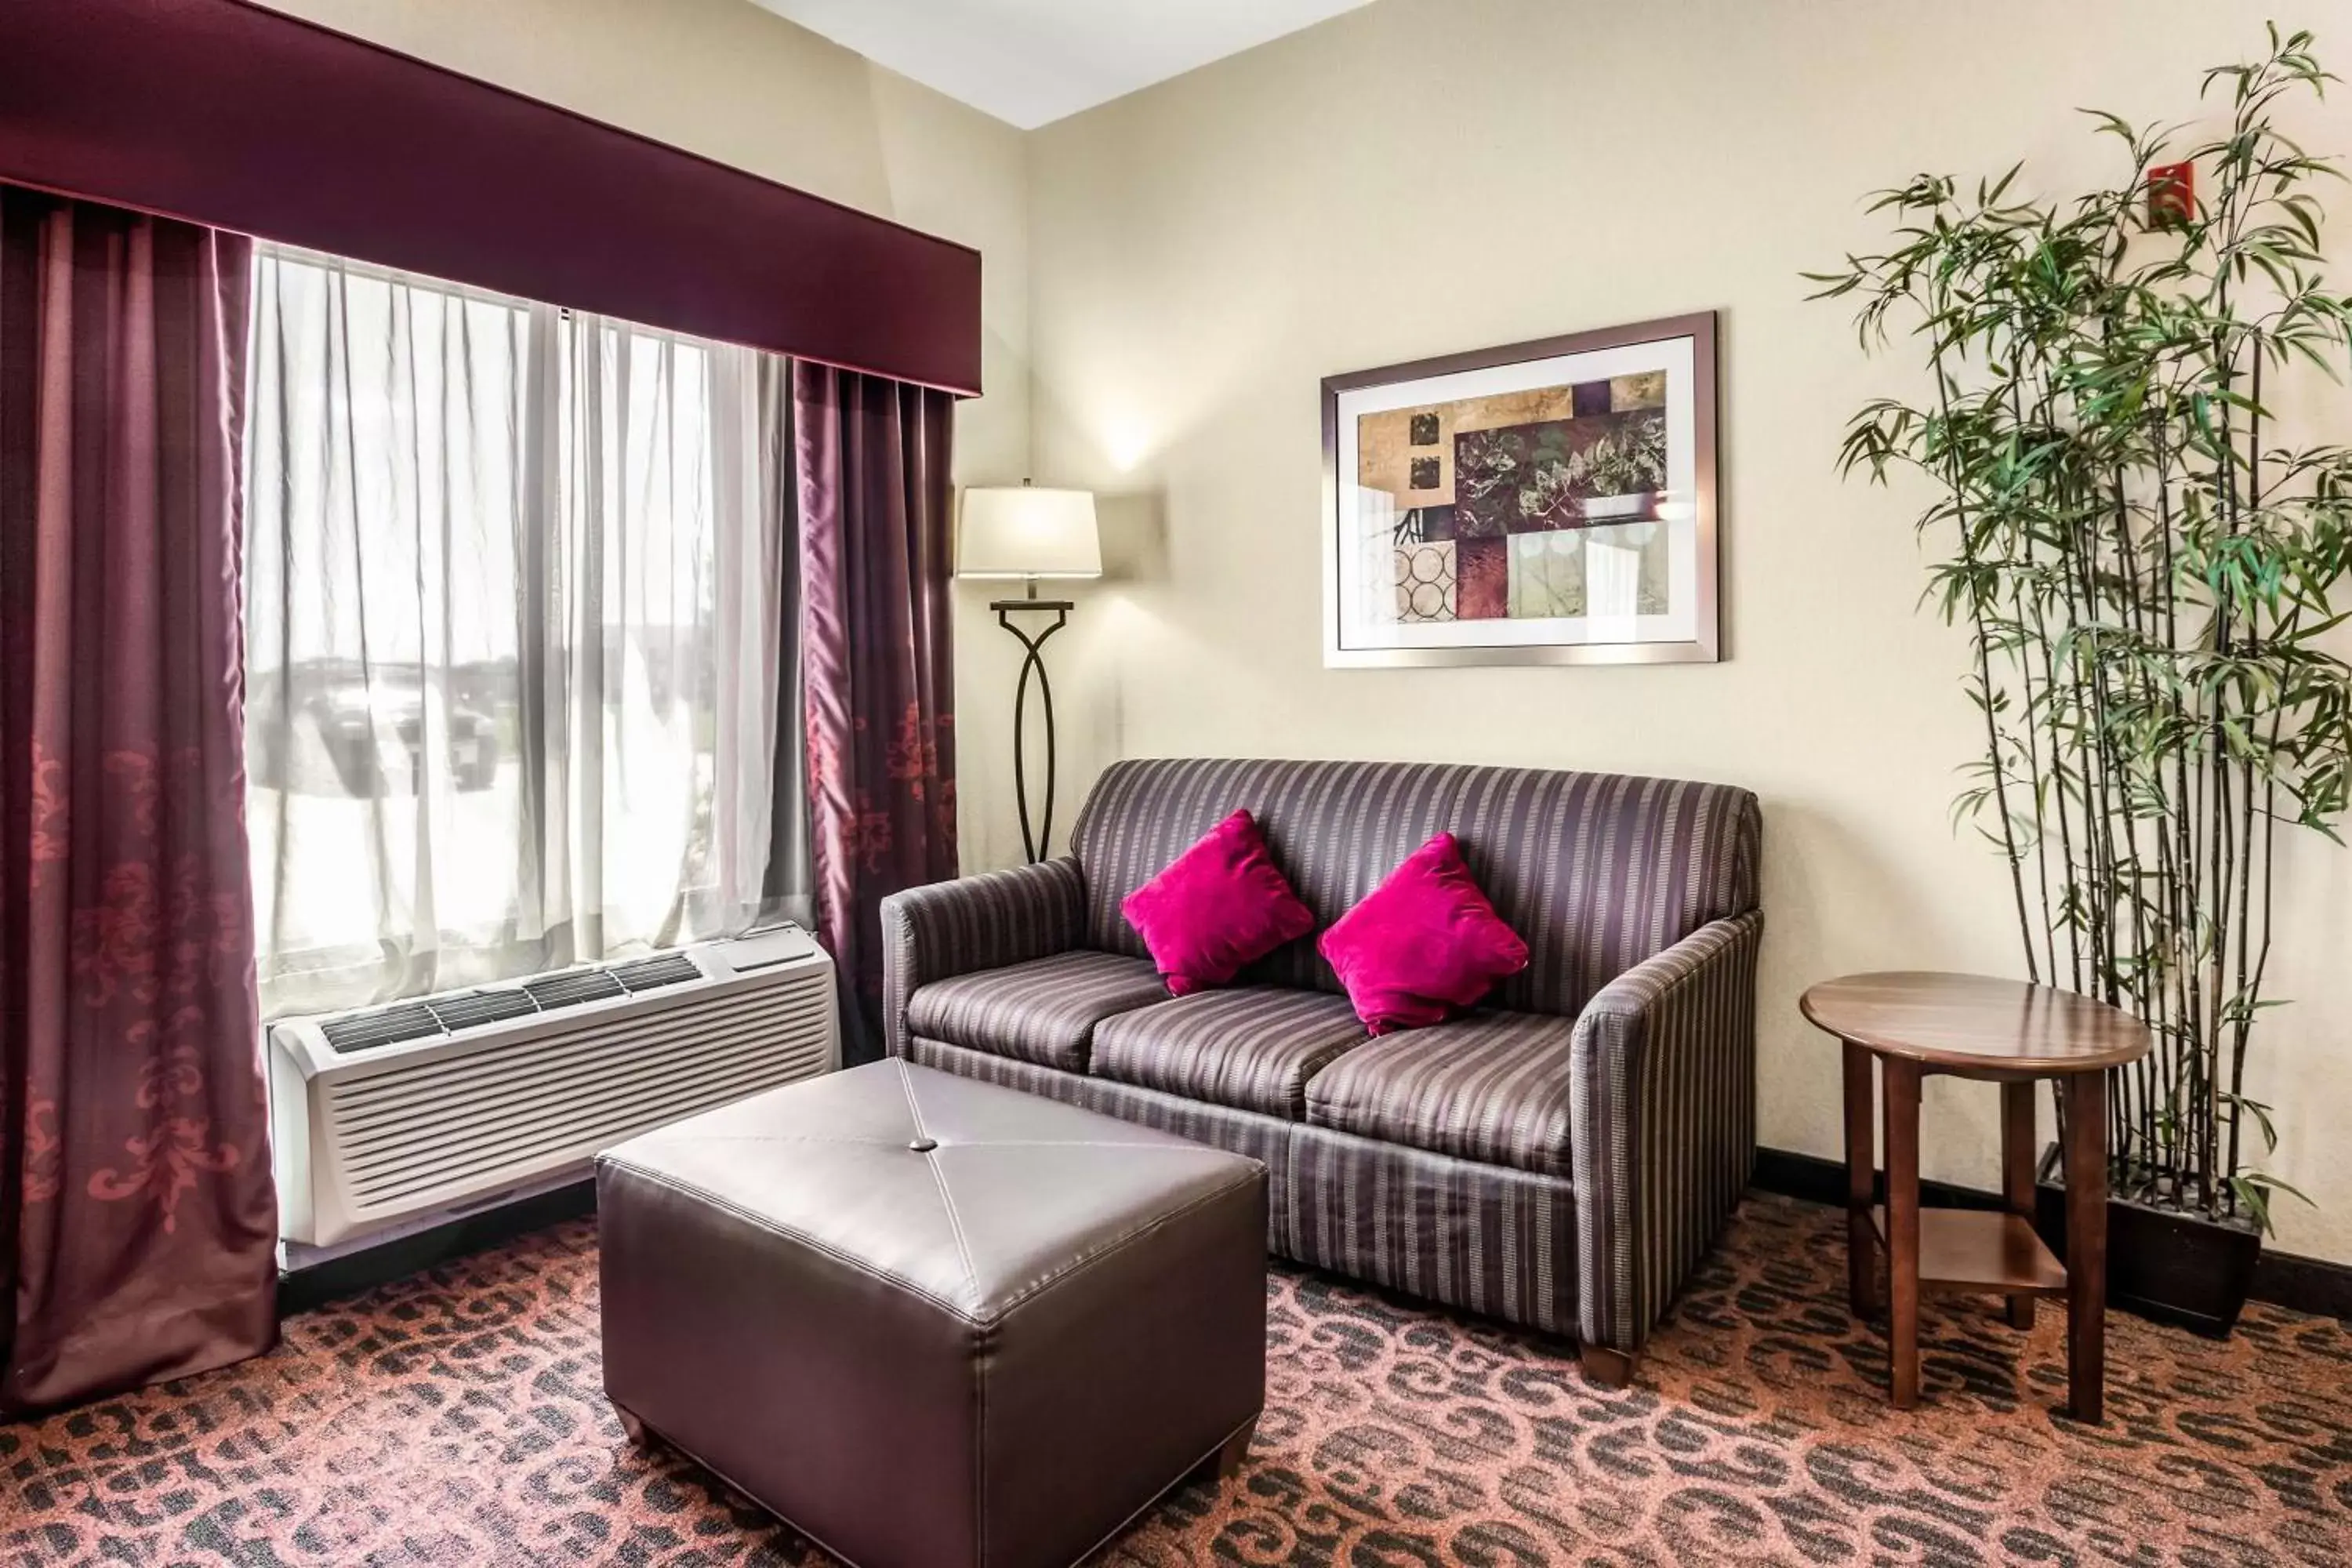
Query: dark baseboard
[
  {"x": 1820, "y": 1181},
  {"x": 302, "y": 1289},
  {"x": 2283, "y": 1278},
  {"x": 2304, "y": 1284}
]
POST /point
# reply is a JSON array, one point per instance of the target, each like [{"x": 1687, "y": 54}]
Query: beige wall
[
  {"x": 1431, "y": 176},
  {"x": 730, "y": 82}
]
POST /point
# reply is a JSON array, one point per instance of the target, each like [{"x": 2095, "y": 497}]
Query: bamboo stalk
[{"x": 1984, "y": 682}]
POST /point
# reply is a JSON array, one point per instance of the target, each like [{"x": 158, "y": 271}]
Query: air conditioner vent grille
[
  {"x": 471, "y": 1009},
  {"x": 435, "y": 1015},
  {"x": 384, "y": 1027},
  {"x": 651, "y": 973},
  {"x": 573, "y": 988}
]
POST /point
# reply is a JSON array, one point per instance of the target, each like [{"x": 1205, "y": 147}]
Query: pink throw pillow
[
  {"x": 1423, "y": 944},
  {"x": 1220, "y": 905}
]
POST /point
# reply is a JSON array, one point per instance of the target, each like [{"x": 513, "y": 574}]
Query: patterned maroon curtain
[
  {"x": 138, "y": 1225},
  {"x": 871, "y": 458}
]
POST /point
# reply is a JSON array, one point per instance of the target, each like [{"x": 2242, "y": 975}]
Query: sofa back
[{"x": 1596, "y": 871}]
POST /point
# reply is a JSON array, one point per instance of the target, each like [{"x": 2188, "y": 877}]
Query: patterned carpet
[{"x": 457, "y": 1418}]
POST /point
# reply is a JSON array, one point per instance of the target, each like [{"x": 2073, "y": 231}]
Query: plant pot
[{"x": 2162, "y": 1265}]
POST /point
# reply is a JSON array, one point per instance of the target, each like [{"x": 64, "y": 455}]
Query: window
[{"x": 514, "y": 613}]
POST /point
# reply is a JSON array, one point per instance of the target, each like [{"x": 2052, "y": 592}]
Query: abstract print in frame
[{"x": 1550, "y": 502}]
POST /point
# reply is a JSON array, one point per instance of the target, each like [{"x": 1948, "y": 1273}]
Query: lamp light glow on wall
[{"x": 1029, "y": 533}]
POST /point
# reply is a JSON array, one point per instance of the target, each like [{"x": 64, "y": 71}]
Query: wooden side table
[{"x": 1914, "y": 1024}]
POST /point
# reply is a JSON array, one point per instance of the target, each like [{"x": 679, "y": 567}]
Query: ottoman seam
[
  {"x": 768, "y": 1223},
  {"x": 940, "y": 1181},
  {"x": 1030, "y": 1292},
  {"x": 980, "y": 1363}
]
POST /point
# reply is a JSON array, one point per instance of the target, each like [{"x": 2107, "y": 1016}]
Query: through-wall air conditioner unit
[{"x": 389, "y": 1118}]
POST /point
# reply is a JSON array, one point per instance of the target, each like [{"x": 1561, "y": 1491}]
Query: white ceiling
[{"x": 1033, "y": 61}]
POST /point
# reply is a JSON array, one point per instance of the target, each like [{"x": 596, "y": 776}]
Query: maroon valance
[{"x": 241, "y": 118}]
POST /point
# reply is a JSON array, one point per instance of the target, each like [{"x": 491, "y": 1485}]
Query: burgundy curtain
[
  {"x": 871, "y": 458},
  {"x": 138, "y": 1225}
]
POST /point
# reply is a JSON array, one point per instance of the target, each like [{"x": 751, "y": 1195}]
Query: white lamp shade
[{"x": 1024, "y": 532}]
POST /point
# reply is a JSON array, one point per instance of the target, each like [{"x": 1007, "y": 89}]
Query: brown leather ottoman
[{"x": 929, "y": 1322}]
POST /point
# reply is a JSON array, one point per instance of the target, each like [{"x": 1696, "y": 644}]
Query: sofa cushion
[
  {"x": 1220, "y": 905},
  {"x": 1491, "y": 1086},
  {"x": 1252, "y": 1048},
  {"x": 1422, "y": 945},
  {"x": 1043, "y": 1011}
]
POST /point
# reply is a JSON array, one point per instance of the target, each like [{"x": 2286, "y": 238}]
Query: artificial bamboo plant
[{"x": 2146, "y": 575}]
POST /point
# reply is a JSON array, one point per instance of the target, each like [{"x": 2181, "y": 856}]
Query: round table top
[{"x": 1974, "y": 1023}]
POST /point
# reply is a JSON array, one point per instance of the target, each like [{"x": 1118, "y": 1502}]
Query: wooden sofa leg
[
  {"x": 1609, "y": 1368},
  {"x": 636, "y": 1431}
]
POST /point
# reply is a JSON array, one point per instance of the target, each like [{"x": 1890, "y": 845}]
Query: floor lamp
[{"x": 1028, "y": 532}]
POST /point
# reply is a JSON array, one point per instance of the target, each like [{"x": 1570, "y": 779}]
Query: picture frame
[{"x": 1544, "y": 502}]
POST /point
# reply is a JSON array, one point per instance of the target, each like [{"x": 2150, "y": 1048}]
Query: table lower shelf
[{"x": 1979, "y": 1250}]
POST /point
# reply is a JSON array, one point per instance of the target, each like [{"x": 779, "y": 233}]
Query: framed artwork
[{"x": 1552, "y": 502}]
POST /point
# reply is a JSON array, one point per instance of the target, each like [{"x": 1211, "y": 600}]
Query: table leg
[
  {"x": 1902, "y": 1089},
  {"x": 2086, "y": 1244},
  {"x": 2017, "y": 1174},
  {"x": 1861, "y": 1174}
]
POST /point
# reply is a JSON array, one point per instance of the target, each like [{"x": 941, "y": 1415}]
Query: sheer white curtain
[{"x": 517, "y": 621}]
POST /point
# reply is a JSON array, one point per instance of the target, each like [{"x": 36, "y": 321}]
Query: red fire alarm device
[{"x": 2171, "y": 193}]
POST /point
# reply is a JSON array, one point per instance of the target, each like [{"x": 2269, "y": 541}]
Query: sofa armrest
[
  {"x": 974, "y": 922},
  {"x": 1662, "y": 1123}
]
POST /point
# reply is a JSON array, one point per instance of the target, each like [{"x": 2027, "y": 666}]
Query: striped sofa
[{"x": 1561, "y": 1158}]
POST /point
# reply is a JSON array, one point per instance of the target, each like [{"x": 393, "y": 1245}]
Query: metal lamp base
[{"x": 1035, "y": 837}]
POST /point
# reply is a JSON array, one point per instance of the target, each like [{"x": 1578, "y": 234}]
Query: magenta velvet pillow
[
  {"x": 1220, "y": 905},
  {"x": 1423, "y": 944}
]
